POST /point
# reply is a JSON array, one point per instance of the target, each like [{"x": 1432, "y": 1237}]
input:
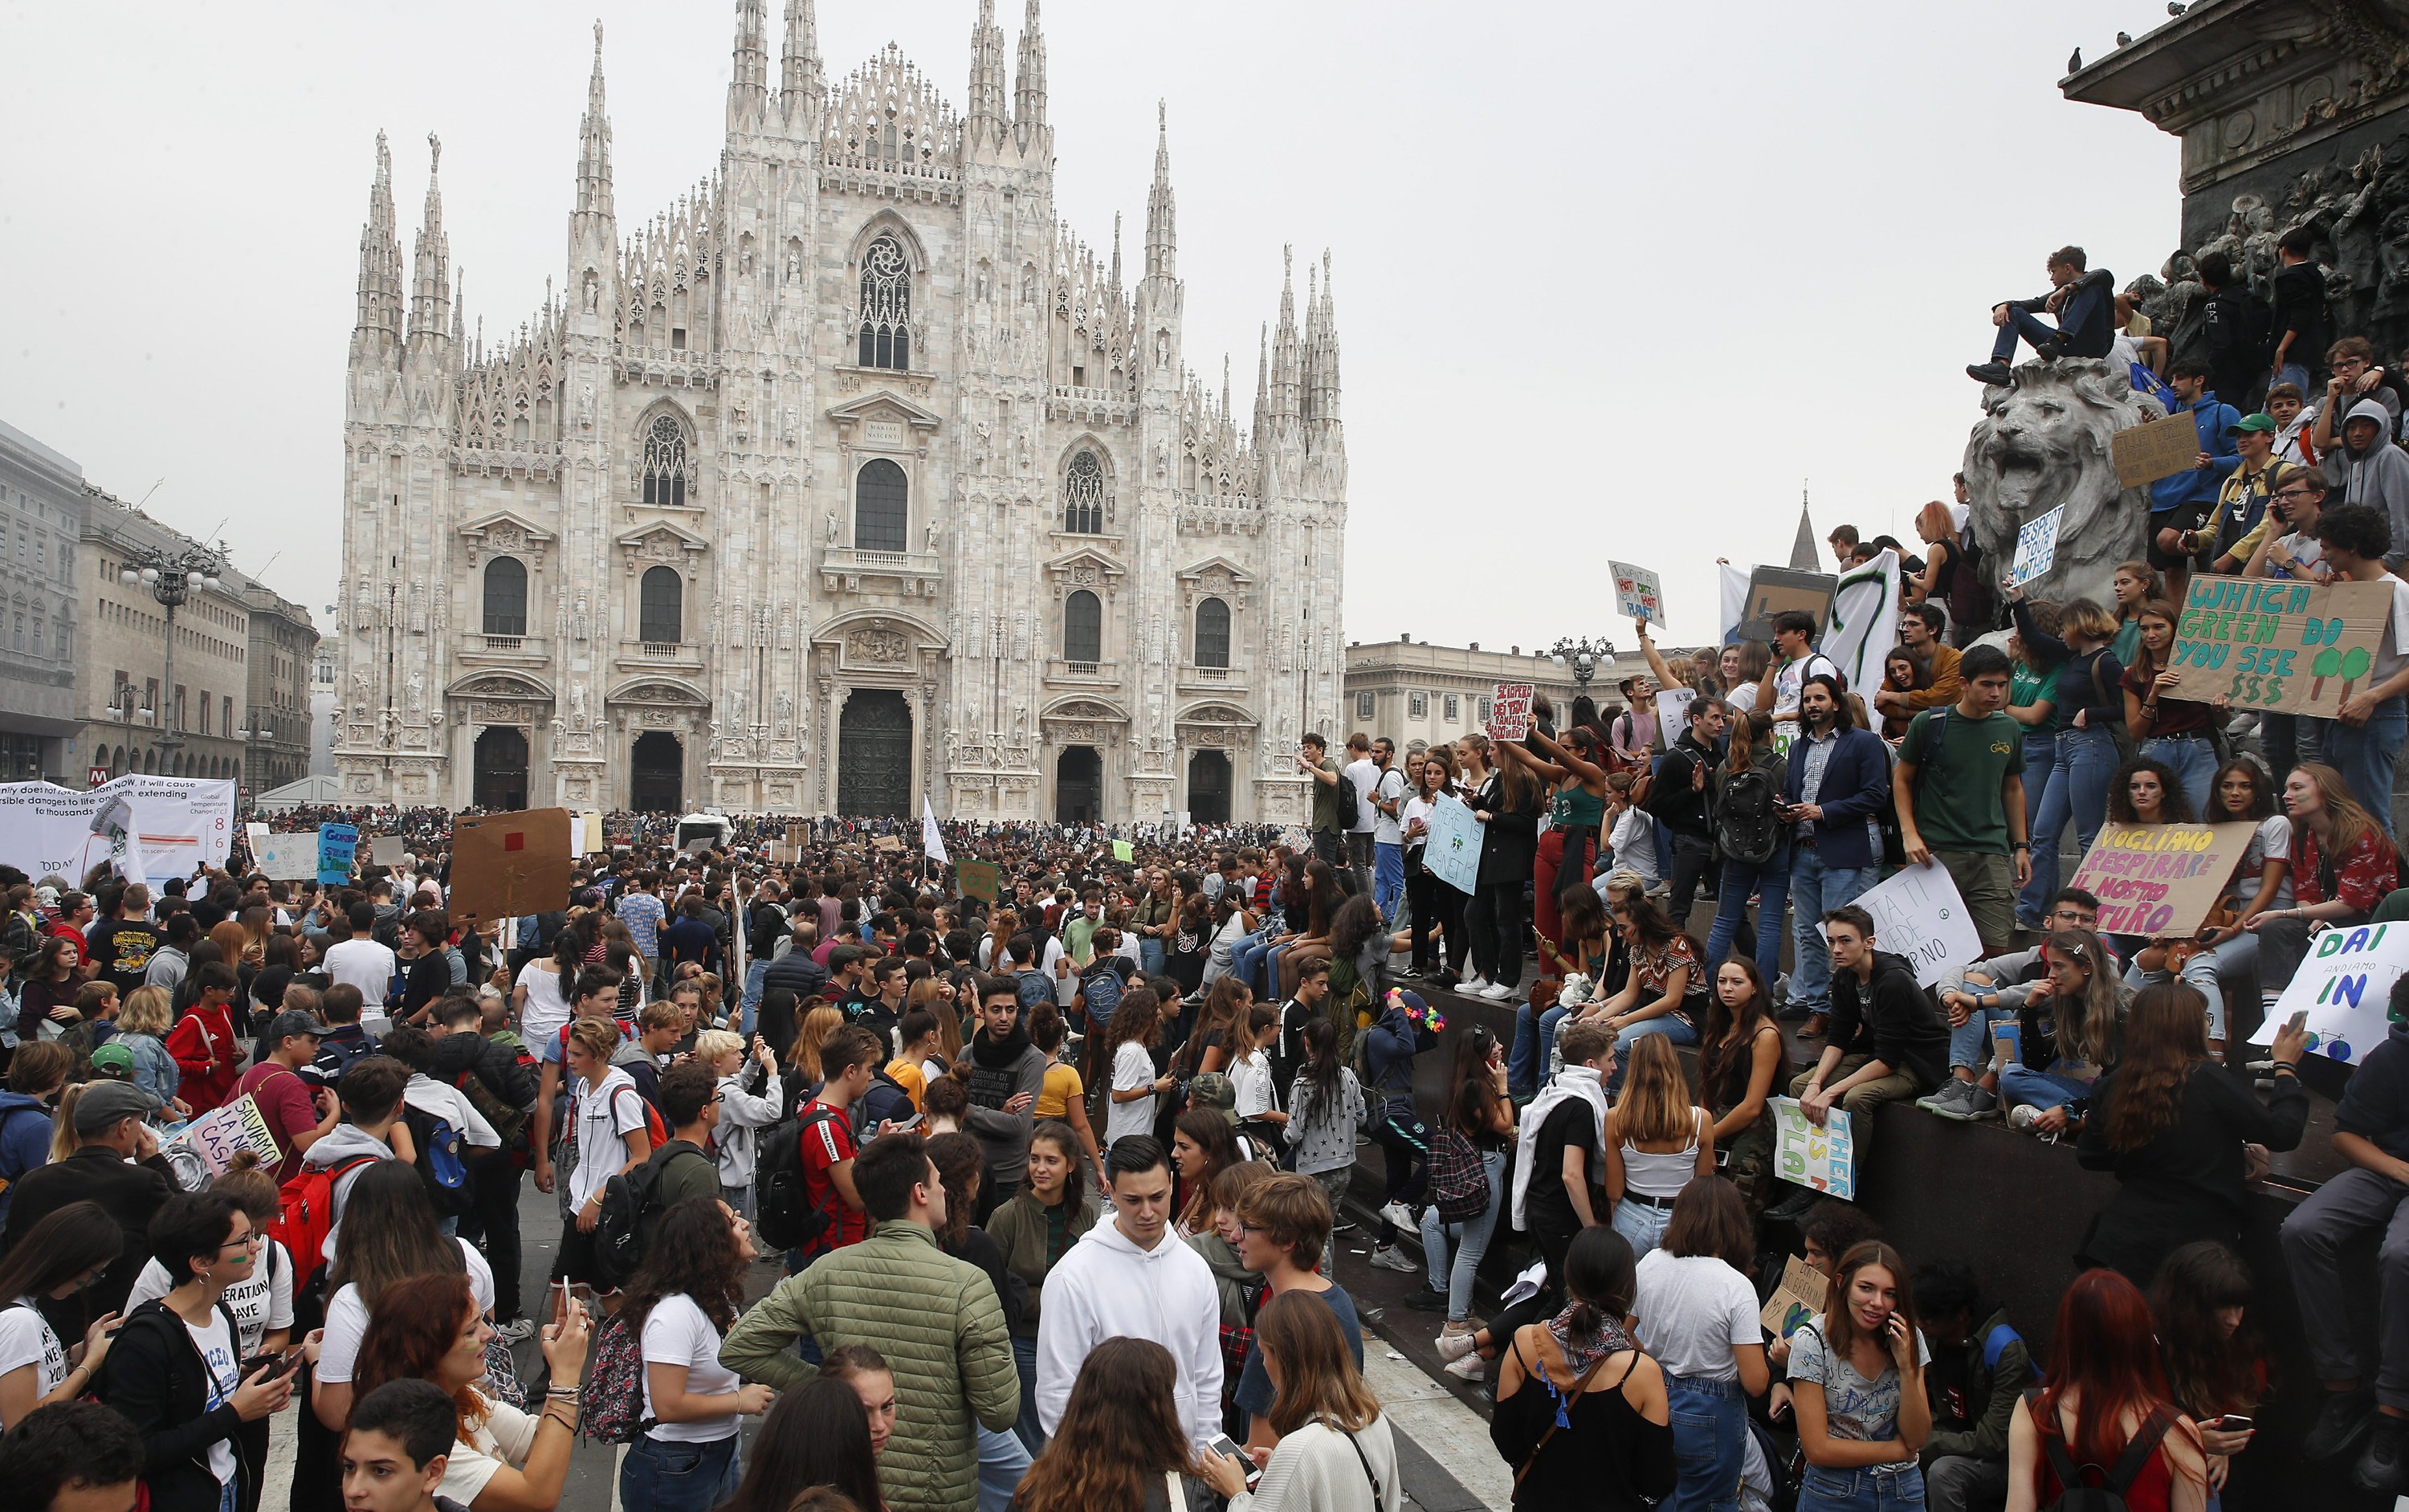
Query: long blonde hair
[
  {"x": 1656, "y": 1103},
  {"x": 148, "y": 1010},
  {"x": 64, "y": 1140}
]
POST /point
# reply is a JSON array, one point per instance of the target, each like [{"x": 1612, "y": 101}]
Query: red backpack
[{"x": 306, "y": 1213}]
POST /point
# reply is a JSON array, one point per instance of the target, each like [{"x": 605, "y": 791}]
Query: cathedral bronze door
[
  {"x": 873, "y": 766},
  {"x": 502, "y": 769},
  {"x": 1079, "y": 782},
  {"x": 1208, "y": 788},
  {"x": 656, "y": 773}
]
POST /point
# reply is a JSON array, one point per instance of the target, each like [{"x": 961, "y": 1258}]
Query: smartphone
[
  {"x": 2234, "y": 1422},
  {"x": 913, "y": 1122},
  {"x": 1224, "y": 1444},
  {"x": 276, "y": 1366}
]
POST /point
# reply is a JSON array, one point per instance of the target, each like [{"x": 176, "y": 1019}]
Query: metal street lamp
[
  {"x": 172, "y": 577},
  {"x": 1582, "y": 657}
]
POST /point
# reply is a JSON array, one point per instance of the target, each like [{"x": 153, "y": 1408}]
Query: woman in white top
[
  {"x": 686, "y": 1293},
  {"x": 1656, "y": 1142},
  {"x": 2263, "y": 883},
  {"x": 1256, "y": 1104},
  {"x": 56, "y": 1259},
  {"x": 432, "y": 1328},
  {"x": 389, "y": 1235},
  {"x": 1336, "y": 1452},
  {"x": 610, "y": 1133},
  {"x": 540, "y": 996},
  {"x": 1697, "y": 1316},
  {"x": 1136, "y": 1028},
  {"x": 1236, "y": 922}
]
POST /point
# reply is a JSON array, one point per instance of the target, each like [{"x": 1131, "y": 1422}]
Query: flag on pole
[{"x": 932, "y": 844}]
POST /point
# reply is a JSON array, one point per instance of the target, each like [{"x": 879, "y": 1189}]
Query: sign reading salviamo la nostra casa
[{"x": 146, "y": 828}]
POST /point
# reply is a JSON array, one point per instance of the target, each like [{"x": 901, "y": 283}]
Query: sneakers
[
  {"x": 1962, "y": 1100},
  {"x": 1396, "y": 1213},
  {"x": 2022, "y": 1116},
  {"x": 2384, "y": 1465},
  {"x": 1983, "y": 1103},
  {"x": 1453, "y": 1346},
  {"x": 517, "y": 1331},
  {"x": 1791, "y": 1012},
  {"x": 1390, "y": 1258},
  {"x": 1470, "y": 1368},
  {"x": 1793, "y": 1207},
  {"x": 2342, "y": 1418},
  {"x": 1425, "y": 1300},
  {"x": 1991, "y": 372},
  {"x": 1496, "y": 992},
  {"x": 1472, "y": 986}
]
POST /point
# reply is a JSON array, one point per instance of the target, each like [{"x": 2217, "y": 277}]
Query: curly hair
[
  {"x": 694, "y": 1252},
  {"x": 960, "y": 1161},
  {"x": 2174, "y": 805}
]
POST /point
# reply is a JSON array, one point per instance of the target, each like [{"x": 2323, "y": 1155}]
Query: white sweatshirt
[
  {"x": 740, "y": 1115},
  {"x": 1106, "y": 1287}
]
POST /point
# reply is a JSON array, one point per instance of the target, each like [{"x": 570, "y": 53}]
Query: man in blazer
[{"x": 1837, "y": 779}]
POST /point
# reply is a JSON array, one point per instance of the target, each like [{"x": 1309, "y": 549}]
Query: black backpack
[
  {"x": 786, "y": 1215},
  {"x": 629, "y": 1201},
  {"x": 2075, "y": 1494},
  {"x": 1747, "y": 831}
]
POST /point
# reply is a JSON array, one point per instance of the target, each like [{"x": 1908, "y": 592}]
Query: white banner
[
  {"x": 149, "y": 828},
  {"x": 1863, "y": 624},
  {"x": 1918, "y": 914},
  {"x": 2346, "y": 988},
  {"x": 932, "y": 844},
  {"x": 1452, "y": 852}
]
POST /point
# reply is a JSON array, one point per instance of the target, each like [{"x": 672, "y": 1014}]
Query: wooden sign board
[
  {"x": 1800, "y": 1297},
  {"x": 979, "y": 879},
  {"x": 2294, "y": 648},
  {"x": 2155, "y": 449},
  {"x": 1771, "y": 590},
  {"x": 2161, "y": 880},
  {"x": 508, "y": 864}
]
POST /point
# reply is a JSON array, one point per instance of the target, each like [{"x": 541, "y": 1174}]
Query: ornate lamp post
[
  {"x": 1582, "y": 657},
  {"x": 172, "y": 577}
]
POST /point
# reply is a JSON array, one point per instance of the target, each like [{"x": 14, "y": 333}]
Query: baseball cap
[
  {"x": 294, "y": 1021},
  {"x": 1213, "y": 1092},
  {"x": 113, "y": 1060},
  {"x": 2252, "y": 423},
  {"x": 105, "y": 1103}
]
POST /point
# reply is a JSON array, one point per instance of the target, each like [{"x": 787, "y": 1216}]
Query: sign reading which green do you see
[{"x": 2291, "y": 647}]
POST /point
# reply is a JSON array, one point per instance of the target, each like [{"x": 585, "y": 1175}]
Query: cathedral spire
[
  {"x": 460, "y": 302},
  {"x": 1263, "y": 386},
  {"x": 987, "y": 72},
  {"x": 1161, "y": 234},
  {"x": 748, "y": 87},
  {"x": 431, "y": 304},
  {"x": 379, "y": 293},
  {"x": 1285, "y": 376},
  {"x": 594, "y": 143},
  {"x": 1117, "y": 252},
  {"x": 799, "y": 72},
  {"x": 1029, "y": 97}
]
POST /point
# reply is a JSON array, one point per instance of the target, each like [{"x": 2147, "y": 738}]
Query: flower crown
[{"x": 1427, "y": 1015}]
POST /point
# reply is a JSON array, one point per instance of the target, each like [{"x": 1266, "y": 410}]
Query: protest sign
[
  {"x": 932, "y": 844},
  {"x": 1825, "y": 1158},
  {"x": 887, "y": 842},
  {"x": 1772, "y": 590},
  {"x": 1800, "y": 1297},
  {"x": 1453, "y": 853},
  {"x": 1124, "y": 851},
  {"x": 224, "y": 1131},
  {"x": 1918, "y": 914},
  {"x": 595, "y": 838},
  {"x": 2155, "y": 449},
  {"x": 292, "y": 858},
  {"x": 979, "y": 879},
  {"x": 1297, "y": 841},
  {"x": 1510, "y": 711},
  {"x": 254, "y": 835},
  {"x": 1642, "y": 595},
  {"x": 338, "y": 847},
  {"x": 387, "y": 850},
  {"x": 507, "y": 864},
  {"x": 2292, "y": 647},
  {"x": 2036, "y": 546},
  {"x": 2161, "y": 880},
  {"x": 1862, "y": 625},
  {"x": 2346, "y": 988},
  {"x": 146, "y": 827},
  {"x": 1673, "y": 713}
]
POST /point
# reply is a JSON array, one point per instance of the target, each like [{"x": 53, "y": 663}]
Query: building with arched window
[{"x": 828, "y": 487}]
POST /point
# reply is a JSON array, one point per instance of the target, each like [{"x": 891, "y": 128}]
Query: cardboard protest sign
[
  {"x": 979, "y": 879},
  {"x": 387, "y": 850},
  {"x": 596, "y": 838},
  {"x": 220, "y": 1134},
  {"x": 1641, "y": 595},
  {"x": 254, "y": 835},
  {"x": 2155, "y": 449},
  {"x": 1774, "y": 589},
  {"x": 291, "y": 858},
  {"x": 506, "y": 864},
  {"x": 2346, "y": 988},
  {"x": 338, "y": 847},
  {"x": 1510, "y": 711},
  {"x": 2266, "y": 643},
  {"x": 1453, "y": 853},
  {"x": 2161, "y": 880},
  {"x": 1825, "y": 1158},
  {"x": 1296, "y": 840},
  {"x": 1918, "y": 914},
  {"x": 887, "y": 842},
  {"x": 1800, "y": 1297},
  {"x": 2036, "y": 546},
  {"x": 1124, "y": 851}
]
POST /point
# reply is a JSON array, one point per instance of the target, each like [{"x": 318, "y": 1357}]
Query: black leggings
[
  {"x": 1404, "y": 1174},
  {"x": 1554, "y": 1241},
  {"x": 1495, "y": 921},
  {"x": 1434, "y": 904}
]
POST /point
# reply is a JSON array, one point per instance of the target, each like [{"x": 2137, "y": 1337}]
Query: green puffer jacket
[{"x": 937, "y": 1321}]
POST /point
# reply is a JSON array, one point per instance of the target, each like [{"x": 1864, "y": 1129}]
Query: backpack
[
  {"x": 2076, "y": 1494},
  {"x": 306, "y": 1210},
  {"x": 621, "y": 1227},
  {"x": 1995, "y": 1343},
  {"x": 612, "y": 1411},
  {"x": 507, "y": 1121},
  {"x": 787, "y": 1218},
  {"x": 1032, "y": 987},
  {"x": 442, "y": 1164},
  {"x": 1745, "y": 828},
  {"x": 1459, "y": 1183}
]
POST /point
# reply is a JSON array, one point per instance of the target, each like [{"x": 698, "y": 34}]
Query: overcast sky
[{"x": 1612, "y": 281}]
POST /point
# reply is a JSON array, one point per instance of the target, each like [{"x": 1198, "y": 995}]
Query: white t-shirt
[
  {"x": 215, "y": 1342},
  {"x": 1419, "y": 807},
  {"x": 365, "y": 965},
  {"x": 347, "y": 1317},
  {"x": 506, "y": 1435},
  {"x": 1131, "y": 1068},
  {"x": 606, "y": 1113},
  {"x": 1789, "y": 680},
  {"x": 26, "y": 1339},
  {"x": 1693, "y": 1310},
  {"x": 547, "y": 1005},
  {"x": 2273, "y": 837},
  {"x": 1363, "y": 775},
  {"x": 1389, "y": 829},
  {"x": 677, "y": 1333},
  {"x": 1250, "y": 1078},
  {"x": 260, "y": 1304}
]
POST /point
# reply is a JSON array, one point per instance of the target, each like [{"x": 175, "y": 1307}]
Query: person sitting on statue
[{"x": 2084, "y": 302}]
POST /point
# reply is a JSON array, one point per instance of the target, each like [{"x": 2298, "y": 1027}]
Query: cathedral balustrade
[
  {"x": 1082, "y": 673},
  {"x": 485, "y": 649},
  {"x": 659, "y": 654},
  {"x": 919, "y": 573}
]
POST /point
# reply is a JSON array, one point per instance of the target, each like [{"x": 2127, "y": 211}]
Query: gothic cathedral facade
[{"x": 852, "y": 476}]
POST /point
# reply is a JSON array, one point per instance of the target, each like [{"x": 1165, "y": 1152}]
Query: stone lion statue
[{"x": 2042, "y": 441}]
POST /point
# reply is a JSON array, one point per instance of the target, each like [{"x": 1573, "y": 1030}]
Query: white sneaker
[
  {"x": 1473, "y": 984},
  {"x": 2022, "y": 1115},
  {"x": 1390, "y": 1258},
  {"x": 1454, "y": 1347},
  {"x": 1470, "y": 1368},
  {"x": 517, "y": 1331},
  {"x": 1496, "y": 992},
  {"x": 1395, "y": 1213}
]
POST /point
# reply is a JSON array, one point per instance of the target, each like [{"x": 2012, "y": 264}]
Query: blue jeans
[
  {"x": 2078, "y": 790},
  {"x": 1535, "y": 1040},
  {"x": 1770, "y": 881},
  {"x": 1472, "y": 1242},
  {"x": 1709, "y": 1427},
  {"x": 1860, "y": 1490},
  {"x": 1002, "y": 1463},
  {"x": 2044, "y": 1089},
  {"x": 1816, "y": 889},
  {"x": 2293, "y": 373},
  {"x": 2032, "y": 900},
  {"x": 1247, "y": 958},
  {"x": 754, "y": 972},
  {"x": 1387, "y": 878},
  {"x": 2199, "y": 975},
  {"x": 1665, "y": 1024},
  {"x": 663, "y": 1476},
  {"x": 2193, "y": 760},
  {"x": 1969, "y": 1044},
  {"x": 1643, "y": 1224},
  {"x": 1024, "y": 1361},
  {"x": 2022, "y": 322},
  {"x": 2365, "y": 754},
  {"x": 1149, "y": 956}
]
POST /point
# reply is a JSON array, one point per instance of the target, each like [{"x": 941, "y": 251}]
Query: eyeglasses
[{"x": 2295, "y": 493}]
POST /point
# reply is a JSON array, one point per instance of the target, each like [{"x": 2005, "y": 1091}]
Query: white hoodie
[
  {"x": 742, "y": 1114},
  {"x": 1106, "y": 1287}
]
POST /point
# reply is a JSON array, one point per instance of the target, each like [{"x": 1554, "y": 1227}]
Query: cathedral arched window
[
  {"x": 882, "y": 508},
  {"x": 1083, "y": 496},
  {"x": 1212, "y": 633},
  {"x": 665, "y": 462},
  {"x": 1083, "y": 628},
  {"x": 506, "y": 592},
  {"x": 661, "y": 606},
  {"x": 885, "y": 305}
]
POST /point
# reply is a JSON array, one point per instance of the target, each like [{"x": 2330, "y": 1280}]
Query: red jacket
[{"x": 206, "y": 1050}]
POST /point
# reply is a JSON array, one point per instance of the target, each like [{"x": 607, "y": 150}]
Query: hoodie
[
  {"x": 1001, "y": 1071},
  {"x": 1108, "y": 1288},
  {"x": 2378, "y": 477},
  {"x": 24, "y": 1140},
  {"x": 1993, "y": 1381},
  {"x": 347, "y": 1141},
  {"x": 741, "y": 1116},
  {"x": 1889, "y": 1018},
  {"x": 2375, "y": 1101}
]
